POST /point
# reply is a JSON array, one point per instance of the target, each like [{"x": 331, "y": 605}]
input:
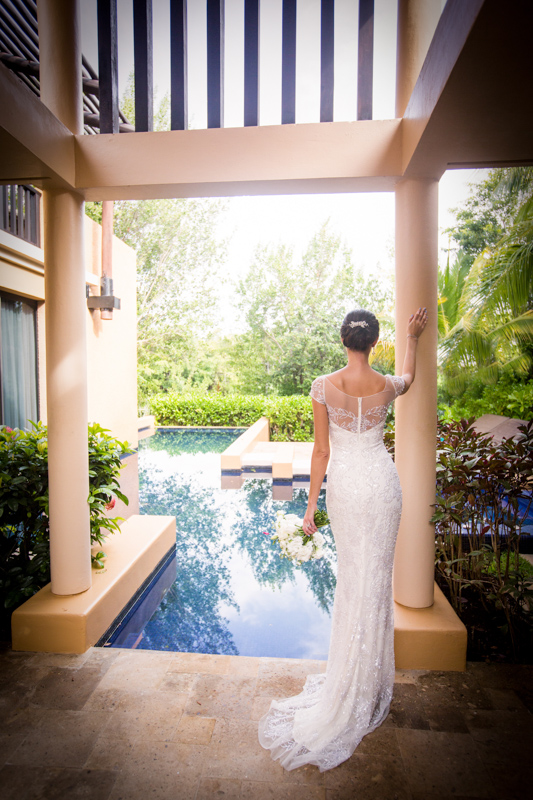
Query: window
[{"x": 18, "y": 362}]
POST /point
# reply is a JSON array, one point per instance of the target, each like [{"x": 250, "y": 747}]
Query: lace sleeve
[
  {"x": 399, "y": 384},
  {"x": 317, "y": 390}
]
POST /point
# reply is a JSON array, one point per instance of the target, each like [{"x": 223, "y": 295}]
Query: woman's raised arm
[{"x": 415, "y": 326}]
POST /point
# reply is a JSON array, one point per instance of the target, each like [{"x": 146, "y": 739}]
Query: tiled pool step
[{"x": 254, "y": 455}]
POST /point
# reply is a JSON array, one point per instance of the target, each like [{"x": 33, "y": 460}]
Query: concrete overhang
[
  {"x": 471, "y": 106},
  {"x": 35, "y": 147},
  {"x": 282, "y": 159}
]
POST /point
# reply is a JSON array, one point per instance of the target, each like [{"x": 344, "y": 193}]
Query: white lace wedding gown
[{"x": 325, "y": 722}]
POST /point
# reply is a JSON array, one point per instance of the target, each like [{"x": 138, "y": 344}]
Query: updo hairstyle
[{"x": 359, "y": 337}]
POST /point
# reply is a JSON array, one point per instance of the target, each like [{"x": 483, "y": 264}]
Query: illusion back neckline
[{"x": 358, "y": 396}]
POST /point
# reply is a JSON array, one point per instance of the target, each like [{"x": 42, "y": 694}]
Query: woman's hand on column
[{"x": 417, "y": 322}]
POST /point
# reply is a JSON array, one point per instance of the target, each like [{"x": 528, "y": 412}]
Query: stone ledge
[
  {"x": 72, "y": 623},
  {"x": 258, "y": 432},
  {"x": 429, "y": 638}
]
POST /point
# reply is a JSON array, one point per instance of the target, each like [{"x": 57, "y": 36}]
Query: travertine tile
[
  {"x": 502, "y": 737},
  {"x": 61, "y": 739},
  {"x": 66, "y": 688},
  {"x": 153, "y": 715},
  {"x": 200, "y": 663},
  {"x": 182, "y": 682},
  {"x": 19, "y": 722},
  {"x": 104, "y": 699},
  {"x": 368, "y": 777},
  {"x": 65, "y": 660},
  {"x": 256, "y": 790},
  {"x": 506, "y": 700},
  {"x": 443, "y": 763},
  {"x": 260, "y": 706},
  {"x": 467, "y": 728},
  {"x": 382, "y": 741},
  {"x": 446, "y": 718},
  {"x": 11, "y": 662},
  {"x": 284, "y": 677},
  {"x": 66, "y": 784},
  {"x": 453, "y": 688},
  {"x": 8, "y": 745},
  {"x": 235, "y": 752},
  {"x": 221, "y": 789},
  {"x": 408, "y": 675},
  {"x": 158, "y": 770},
  {"x": 244, "y": 666},
  {"x": 194, "y": 730},
  {"x": 157, "y": 786},
  {"x": 308, "y": 775},
  {"x": 16, "y": 782},
  {"x": 16, "y": 692},
  {"x": 222, "y": 696},
  {"x": 407, "y": 710},
  {"x": 126, "y": 674},
  {"x": 109, "y": 753},
  {"x": 512, "y": 783}
]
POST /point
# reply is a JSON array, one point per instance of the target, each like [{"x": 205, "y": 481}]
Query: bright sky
[{"x": 364, "y": 221}]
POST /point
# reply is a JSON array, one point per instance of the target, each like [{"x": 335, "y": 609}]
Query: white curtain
[{"x": 19, "y": 363}]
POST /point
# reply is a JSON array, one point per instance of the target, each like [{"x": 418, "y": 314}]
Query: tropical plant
[
  {"x": 484, "y": 497},
  {"x": 486, "y": 311},
  {"x": 24, "y": 531}
]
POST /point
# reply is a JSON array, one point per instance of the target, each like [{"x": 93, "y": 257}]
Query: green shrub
[
  {"x": 24, "y": 531},
  {"x": 484, "y": 490},
  {"x": 291, "y": 417},
  {"x": 507, "y": 398}
]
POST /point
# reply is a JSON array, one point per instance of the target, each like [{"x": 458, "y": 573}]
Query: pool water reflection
[{"x": 233, "y": 593}]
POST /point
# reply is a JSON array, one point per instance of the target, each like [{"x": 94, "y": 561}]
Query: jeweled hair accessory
[{"x": 359, "y": 324}]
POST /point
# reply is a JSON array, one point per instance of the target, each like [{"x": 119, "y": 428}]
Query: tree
[
  {"x": 294, "y": 311},
  {"x": 179, "y": 272},
  {"x": 488, "y": 212},
  {"x": 486, "y": 306}
]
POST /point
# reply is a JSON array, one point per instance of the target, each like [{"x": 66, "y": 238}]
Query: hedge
[{"x": 291, "y": 417}]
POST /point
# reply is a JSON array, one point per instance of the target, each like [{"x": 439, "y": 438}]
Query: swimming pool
[{"x": 233, "y": 593}]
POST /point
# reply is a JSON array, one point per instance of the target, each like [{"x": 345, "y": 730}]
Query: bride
[{"x": 325, "y": 722}]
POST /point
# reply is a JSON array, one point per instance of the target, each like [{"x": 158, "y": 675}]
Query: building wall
[{"x": 111, "y": 344}]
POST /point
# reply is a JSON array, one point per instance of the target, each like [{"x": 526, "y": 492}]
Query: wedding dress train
[{"x": 325, "y": 722}]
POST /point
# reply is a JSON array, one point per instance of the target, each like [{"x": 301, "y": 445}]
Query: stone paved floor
[{"x": 137, "y": 725}]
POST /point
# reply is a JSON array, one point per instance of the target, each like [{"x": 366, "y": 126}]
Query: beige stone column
[
  {"x": 416, "y": 411},
  {"x": 66, "y": 310},
  {"x": 417, "y": 20}
]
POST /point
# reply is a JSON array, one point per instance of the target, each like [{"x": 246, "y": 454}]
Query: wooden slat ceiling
[{"x": 19, "y": 50}]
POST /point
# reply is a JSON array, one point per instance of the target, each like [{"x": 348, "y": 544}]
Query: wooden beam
[
  {"x": 143, "y": 65},
  {"x": 251, "y": 62},
  {"x": 178, "y": 66},
  {"x": 215, "y": 63},
  {"x": 93, "y": 121},
  {"x": 327, "y": 42},
  {"x": 288, "y": 63},
  {"x": 108, "y": 65},
  {"x": 365, "y": 70}
]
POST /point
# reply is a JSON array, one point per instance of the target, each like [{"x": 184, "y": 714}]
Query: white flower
[{"x": 318, "y": 539}]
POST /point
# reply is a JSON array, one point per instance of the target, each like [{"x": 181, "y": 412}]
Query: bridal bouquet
[{"x": 294, "y": 543}]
